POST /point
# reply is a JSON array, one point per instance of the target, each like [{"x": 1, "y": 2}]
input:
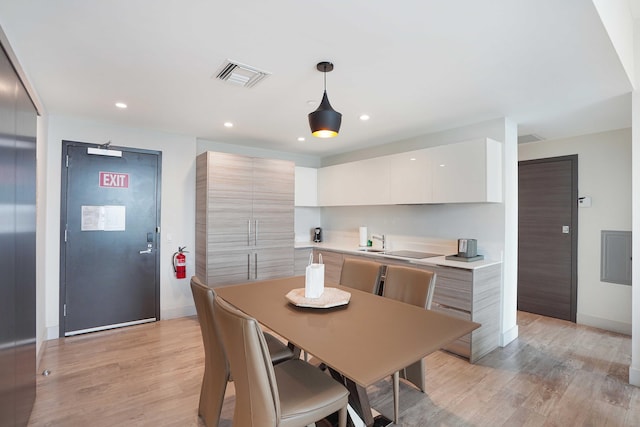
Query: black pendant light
[{"x": 325, "y": 121}]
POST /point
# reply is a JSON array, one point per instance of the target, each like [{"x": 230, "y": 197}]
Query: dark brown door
[{"x": 547, "y": 236}]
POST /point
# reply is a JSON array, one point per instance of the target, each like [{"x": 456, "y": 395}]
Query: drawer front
[
  {"x": 451, "y": 311},
  {"x": 453, "y": 293},
  {"x": 461, "y": 346},
  {"x": 332, "y": 265}
]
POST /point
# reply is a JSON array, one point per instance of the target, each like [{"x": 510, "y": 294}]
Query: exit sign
[{"x": 114, "y": 180}]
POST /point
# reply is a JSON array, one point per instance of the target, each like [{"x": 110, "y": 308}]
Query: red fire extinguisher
[{"x": 180, "y": 263}]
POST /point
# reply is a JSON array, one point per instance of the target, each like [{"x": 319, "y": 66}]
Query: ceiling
[{"x": 415, "y": 67}]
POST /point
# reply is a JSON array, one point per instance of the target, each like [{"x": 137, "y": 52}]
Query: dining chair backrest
[
  {"x": 216, "y": 371},
  {"x": 257, "y": 400},
  {"x": 411, "y": 285},
  {"x": 361, "y": 274}
]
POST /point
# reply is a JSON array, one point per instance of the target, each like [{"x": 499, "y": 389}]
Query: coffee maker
[{"x": 317, "y": 235}]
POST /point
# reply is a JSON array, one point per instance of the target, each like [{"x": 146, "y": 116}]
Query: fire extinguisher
[{"x": 180, "y": 263}]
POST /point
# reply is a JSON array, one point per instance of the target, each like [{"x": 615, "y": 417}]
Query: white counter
[{"x": 439, "y": 260}]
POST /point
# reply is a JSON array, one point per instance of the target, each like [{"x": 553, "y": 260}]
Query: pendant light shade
[{"x": 325, "y": 121}]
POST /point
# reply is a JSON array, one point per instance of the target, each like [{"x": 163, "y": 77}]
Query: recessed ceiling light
[
  {"x": 413, "y": 159},
  {"x": 312, "y": 102},
  {"x": 301, "y": 138},
  {"x": 228, "y": 124},
  {"x": 364, "y": 117},
  {"x": 121, "y": 105}
]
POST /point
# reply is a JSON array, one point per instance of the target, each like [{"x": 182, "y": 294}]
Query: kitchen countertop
[{"x": 438, "y": 261}]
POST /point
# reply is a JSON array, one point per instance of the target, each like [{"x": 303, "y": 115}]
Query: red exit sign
[{"x": 114, "y": 180}]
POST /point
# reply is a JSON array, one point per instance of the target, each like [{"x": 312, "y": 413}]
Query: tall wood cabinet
[{"x": 244, "y": 218}]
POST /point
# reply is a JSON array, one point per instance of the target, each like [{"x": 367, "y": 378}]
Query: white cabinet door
[
  {"x": 369, "y": 182},
  {"x": 410, "y": 179},
  {"x": 306, "y": 192},
  {"x": 467, "y": 172},
  {"x": 332, "y": 190},
  {"x": 364, "y": 182}
]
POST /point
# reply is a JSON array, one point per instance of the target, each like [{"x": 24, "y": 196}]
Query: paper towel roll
[{"x": 363, "y": 236}]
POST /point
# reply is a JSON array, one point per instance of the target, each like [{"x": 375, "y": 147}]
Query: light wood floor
[{"x": 555, "y": 374}]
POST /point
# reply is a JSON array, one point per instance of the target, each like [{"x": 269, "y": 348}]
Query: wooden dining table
[{"x": 362, "y": 342}]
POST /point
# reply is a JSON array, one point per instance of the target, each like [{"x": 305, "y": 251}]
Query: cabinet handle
[
  {"x": 255, "y": 233},
  {"x": 248, "y": 266},
  {"x": 256, "y": 264},
  {"x": 248, "y": 232}
]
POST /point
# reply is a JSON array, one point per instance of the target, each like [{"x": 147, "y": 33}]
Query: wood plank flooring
[{"x": 555, "y": 374}]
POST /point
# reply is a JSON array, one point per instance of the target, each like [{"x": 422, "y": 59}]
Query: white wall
[
  {"x": 604, "y": 173},
  {"x": 177, "y": 206}
]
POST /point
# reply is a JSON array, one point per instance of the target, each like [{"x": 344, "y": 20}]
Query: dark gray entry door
[
  {"x": 109, "y": 243},
  {"x": 548, "y": 236}
]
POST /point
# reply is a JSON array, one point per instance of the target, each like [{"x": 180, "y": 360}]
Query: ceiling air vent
[
  {"x": 240, "y": 74},
  {"x": 523, "y": 139}
]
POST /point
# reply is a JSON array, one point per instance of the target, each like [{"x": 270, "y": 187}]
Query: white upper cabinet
[
  {"x": 464, "y": 172},
  {"x": 410, "y": 179},
  {"x": 467, "y": 172},
  {"x": 306, "y": 192},
  {"x": 364, "y": 182}
]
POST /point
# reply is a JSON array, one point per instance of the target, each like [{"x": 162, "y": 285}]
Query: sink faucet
[{"x": 381, "y": 238}]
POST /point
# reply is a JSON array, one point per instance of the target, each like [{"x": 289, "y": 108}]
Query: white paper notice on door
[{"x": 103, "y": 218}]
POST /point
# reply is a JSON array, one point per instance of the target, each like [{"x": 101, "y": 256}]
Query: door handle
[{"x": 148, "y": 250}]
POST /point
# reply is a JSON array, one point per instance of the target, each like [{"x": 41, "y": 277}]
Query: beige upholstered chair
[
  {"x": 361, "y": 274},
  {"x": 216, "y": 370},
  {"x": 292, "y": 393},
  {"x": 416, "y": 287}
]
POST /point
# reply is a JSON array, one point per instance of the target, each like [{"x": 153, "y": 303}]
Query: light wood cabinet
[
  {"x": 332, "y": 264},
  {"x": 467, "y": 294},
  {"x": 472, "y": 295},
  {"x": 244, "y": 218}
]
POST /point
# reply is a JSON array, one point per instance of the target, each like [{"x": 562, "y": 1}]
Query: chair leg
[
  {"x": 396, "y": 396},
  {"x": 342, "y": 417}
]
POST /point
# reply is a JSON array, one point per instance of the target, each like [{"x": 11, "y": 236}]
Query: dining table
[{"x": 362, "y": 340}]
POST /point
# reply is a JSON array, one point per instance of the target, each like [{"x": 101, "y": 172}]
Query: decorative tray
[
  {"x": 463, "y": 259},
  {"x": 331, "y": 297}
]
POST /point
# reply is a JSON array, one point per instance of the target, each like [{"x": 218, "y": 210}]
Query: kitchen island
[{"x": 468, "y": 290}]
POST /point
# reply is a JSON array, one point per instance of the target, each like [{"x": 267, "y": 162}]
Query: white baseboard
[
  {"x": 606, "y": 324},
  {"x": 634, "y": 376},
  {"x": 53, "y": 332},
  {"x": 508, "y": 336},
  {"x": 175, "y": 312}
]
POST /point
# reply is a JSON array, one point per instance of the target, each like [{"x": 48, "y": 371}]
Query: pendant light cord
[{"x": 325, "y": 77}]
